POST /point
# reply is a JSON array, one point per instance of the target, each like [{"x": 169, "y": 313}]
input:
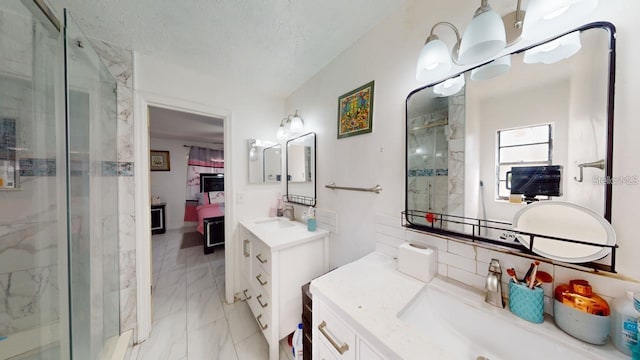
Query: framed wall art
[
  {"x": 159, "y": 161},
  {"x": 355, "y": 111}
]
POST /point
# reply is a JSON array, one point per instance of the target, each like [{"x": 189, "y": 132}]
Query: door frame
[{"x": 143, "y": 100}]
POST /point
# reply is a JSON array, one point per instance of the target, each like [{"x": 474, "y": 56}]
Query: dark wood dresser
[{"x": 307, "y": 310}]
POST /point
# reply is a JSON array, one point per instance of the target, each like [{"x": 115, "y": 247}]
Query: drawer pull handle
[
  {"x": 245, "y": 251},
  {"x": 246, "y": 297},
  {"x": 259, "y": 257},
  {"x": 265, "y": 326},
  {"x": 340, "y": 348},
  {"x": 260, "y": 301},
  {"x": 262, "y": 282}
]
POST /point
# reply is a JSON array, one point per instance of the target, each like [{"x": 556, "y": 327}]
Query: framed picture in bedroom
[
  {"x": 355, "y": 111},
  {"x": 159, "y": 161}
]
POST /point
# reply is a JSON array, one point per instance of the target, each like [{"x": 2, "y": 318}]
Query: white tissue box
[{"x": 418, "y": 261}]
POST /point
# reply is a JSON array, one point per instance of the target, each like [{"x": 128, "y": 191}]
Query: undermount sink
[
  {"x": 458, "y": 319},
  {"x": 274, "y": 224}
]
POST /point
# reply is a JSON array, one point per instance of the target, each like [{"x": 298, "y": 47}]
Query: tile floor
[{"x": 191, "y": 320}]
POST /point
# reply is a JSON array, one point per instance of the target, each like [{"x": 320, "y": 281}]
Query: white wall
[
  {"x": 170, "y": 186},
  {"x": 387, "y": 54}
]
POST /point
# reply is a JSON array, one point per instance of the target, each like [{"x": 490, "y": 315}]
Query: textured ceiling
[
  {"x": 272, "y": 46},
  {"x": 177, "y": 125}
]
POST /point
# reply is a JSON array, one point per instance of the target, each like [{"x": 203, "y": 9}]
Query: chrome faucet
[
  {"x": 289, "y": 210},
  {"x": 494, "y": 284}
]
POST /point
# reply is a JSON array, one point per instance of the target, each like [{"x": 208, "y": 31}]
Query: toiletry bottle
[
  {"x": 297, "y": 343},
  {"x": 624, "y": 324},
  {"x": 311, "y": 219}
]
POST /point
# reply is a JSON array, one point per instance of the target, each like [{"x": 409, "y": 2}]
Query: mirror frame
[
  {"x": 607, "y": 26},
  {"x": 301, "y": 199}
]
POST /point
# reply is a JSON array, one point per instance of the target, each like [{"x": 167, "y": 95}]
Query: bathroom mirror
[
  {"x": 301, "y": 170},
  {"x": 265, "y": 161},
  {"x": 536, "y": 125}
]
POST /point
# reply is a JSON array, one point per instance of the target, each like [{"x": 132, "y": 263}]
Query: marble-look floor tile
[
  {"x": 169, "y": 301},
  {"x": 218, "y": 267},
  {"x": 255, "y": 347},
  {"x": 196, "y": 258},
  {"x": 173, "y": 260},
  {"x": 168, "y": 340},
  {"x": 242, "y": 324},
  {"x": 203, "y": 307},
  {"x": 198, "y": 279},
  {"x": 211, "y": 342},
  {"x": 170, "y": 279}
]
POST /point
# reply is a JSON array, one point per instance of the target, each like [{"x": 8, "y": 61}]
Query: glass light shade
[
  {"x": 492, "y": 69},
  {"x": 545, "y": 18},
  {"x": 483, "y": 38},
  {"x": 450, "y": 86},
  {"x": 297, "y": 125},
  {"x": 554, "y": 51},
  {"x": 434, "y": 61},
  {"x": 281, "y": 134}
]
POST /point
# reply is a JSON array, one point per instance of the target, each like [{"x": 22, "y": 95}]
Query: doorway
[{"x": 173, "y": 128}]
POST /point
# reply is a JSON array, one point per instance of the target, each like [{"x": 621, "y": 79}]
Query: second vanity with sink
[
  {"x": 278, "y": 257},
  {"x": 368, "y": 310}
]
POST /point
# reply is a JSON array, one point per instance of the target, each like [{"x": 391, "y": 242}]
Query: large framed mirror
[
  {"x": 265, "y": 161},
  {"x": 301, "y": 170},
  {"x": 533, "y": 126}
]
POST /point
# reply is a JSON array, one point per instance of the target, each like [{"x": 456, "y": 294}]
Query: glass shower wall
[
  {"x": 93, "y": 206},
  {"x": 33, "y": 242}
]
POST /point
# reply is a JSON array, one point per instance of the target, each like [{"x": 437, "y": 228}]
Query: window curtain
[{"x": 201, "y": 160}]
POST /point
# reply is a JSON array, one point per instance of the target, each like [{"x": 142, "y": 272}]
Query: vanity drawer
[
  {"x": 259, "y": 278},
  {"x": 261, "y": 255},
  {"x": 366, "y": 352},
  {"x": 324, "y": 351},
  {"x": 330, "y": 330}
]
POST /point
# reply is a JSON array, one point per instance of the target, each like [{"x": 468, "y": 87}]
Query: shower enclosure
[{"x": 59, "y": 271}]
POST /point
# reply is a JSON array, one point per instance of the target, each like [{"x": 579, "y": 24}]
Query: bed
[{"x": 211, "y": 210}]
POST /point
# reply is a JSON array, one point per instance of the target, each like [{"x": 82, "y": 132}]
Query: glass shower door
[
  {"x": 93, "y": 206},
  {"x": 33, "y": 242}
]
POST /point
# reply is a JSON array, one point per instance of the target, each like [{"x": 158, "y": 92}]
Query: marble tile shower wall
[
  {"x": 120, "y": 64},
  {"x": 469, "y": 264},
  {"x": 445, "y": 175},
  {"x": 455, "y": 162}
]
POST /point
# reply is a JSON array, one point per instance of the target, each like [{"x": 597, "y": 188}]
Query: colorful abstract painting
[{"x": 355, "y": 111}]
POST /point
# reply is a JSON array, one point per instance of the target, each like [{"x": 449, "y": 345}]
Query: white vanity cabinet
[
  {"x": 335, "y": 339},
  {"x": 275, "y": 262}
]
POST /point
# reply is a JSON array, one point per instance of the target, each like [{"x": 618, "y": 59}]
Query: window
[{"x": 527, "y": 146}]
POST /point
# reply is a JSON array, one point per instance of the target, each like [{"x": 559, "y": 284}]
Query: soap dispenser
[{"x": 624, "y": 324}]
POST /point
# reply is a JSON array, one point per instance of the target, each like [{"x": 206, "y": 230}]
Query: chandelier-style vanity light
[{"x": 488, "y": 34}]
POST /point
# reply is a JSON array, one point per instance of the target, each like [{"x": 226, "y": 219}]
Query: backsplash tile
[
  {"x": 464, "y": 250},
  {"x": 457, "y": 261},
  {"x": 428, "y": 240},
  {"x": 469, "y": 263}
]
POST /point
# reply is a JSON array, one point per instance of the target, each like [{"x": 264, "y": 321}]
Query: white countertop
[
  {"x": 371, "y": 291},
  {"x": 283, "y": 237}
]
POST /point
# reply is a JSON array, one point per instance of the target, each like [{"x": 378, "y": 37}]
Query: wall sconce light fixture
[
  {"x": 291, "y": 125},
  {"x": 489, "y": 33}
]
